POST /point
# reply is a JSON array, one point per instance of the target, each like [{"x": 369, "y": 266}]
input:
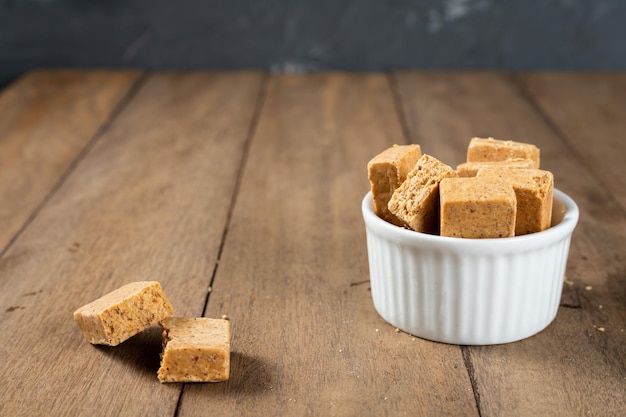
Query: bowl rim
[{"x": 408, "y": 237}]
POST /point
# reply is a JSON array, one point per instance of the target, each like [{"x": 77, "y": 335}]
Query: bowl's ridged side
[{"x": 466, "y": 299}]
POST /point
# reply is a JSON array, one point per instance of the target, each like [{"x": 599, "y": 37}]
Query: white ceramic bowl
[{"x": 469, "y": 291}]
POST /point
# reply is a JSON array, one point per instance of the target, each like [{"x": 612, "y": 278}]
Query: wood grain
[
  {"x": 148, "y": 202},
  {"x": 293, "y": 277},
  {"x": 590, "y": 111},
  {"x": 560, "y": 370},
  {"x": 46, "y": 120},
  {"x": 246, "y": 192}
]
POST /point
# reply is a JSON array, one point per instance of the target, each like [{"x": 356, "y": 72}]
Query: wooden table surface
[{"x": 240, "y": 193}]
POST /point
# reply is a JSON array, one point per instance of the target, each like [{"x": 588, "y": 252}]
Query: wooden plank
[
  {"x": 570, "y": 368},
  {"x": 590, "y": 111},
  {"x": 149, "y": 201},
  {"x": 293, "y": 277},
  {"x": 46, "y": 120}
]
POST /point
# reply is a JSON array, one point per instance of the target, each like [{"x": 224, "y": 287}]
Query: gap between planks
[
  {"x": 406, "y": 131},
  {"x": 117, "y": 110},
  {"x": 397, "y": 102},
  {"x": 258, "y": 109},
  {"x": 522, "y": 87},
  {"x": 467, "y": 360}
]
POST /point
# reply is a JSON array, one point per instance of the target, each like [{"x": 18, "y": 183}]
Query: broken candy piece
[
  {"x": 386, "y": 171},
  {"x": 120, "y": 314},
  {"x": 195, "y": 350},
  {"x": 477, "y": 208},
  {"x": 490, "y": 149},
  {"x": 416, "y": 201}
]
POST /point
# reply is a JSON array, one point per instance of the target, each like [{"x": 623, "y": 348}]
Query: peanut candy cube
[
  {"x": 120, "y": 314},
  {"x": 416, "y": 201},
  {"x": 490, "y": 149},
  {"x": 470, "y": 169},
  {"x": 195, "y": 350},
  {"x": 533, "y": 191},
  {"x": 477, "y": 208},
  {"x": 386, "y": 171}
]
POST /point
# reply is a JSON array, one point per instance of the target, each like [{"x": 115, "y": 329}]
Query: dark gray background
[{"x": 310, "y": 35}]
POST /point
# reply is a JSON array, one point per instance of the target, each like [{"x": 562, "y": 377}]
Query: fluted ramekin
[{"x": 469, "y": 291}]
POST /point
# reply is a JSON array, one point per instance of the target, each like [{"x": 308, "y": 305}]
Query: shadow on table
[
  {"x": 248, "y": 374},
  {"x": 141, "y": 351}
]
